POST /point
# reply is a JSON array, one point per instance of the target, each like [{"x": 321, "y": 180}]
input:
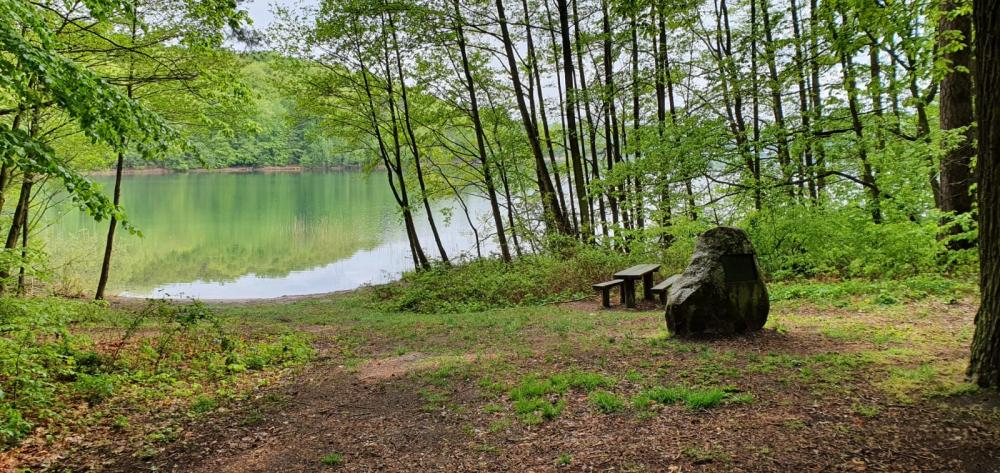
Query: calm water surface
[{"x": 255, "y": 235}]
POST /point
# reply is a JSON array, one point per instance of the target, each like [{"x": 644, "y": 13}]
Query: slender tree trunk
[
  {"x": 867, "y": 175},
  {"x": 572, "y": 127},
  {"x": 804, "y": 112},
  {"x": 414, "y": 148},
  {"x": 480, "y": 138},
  {"x": 613, "y": 150},
  {"x": 956, "y": 112},
  {"x": 816, "y": 97},
  {"x": 591, "y": 130},
  {"x": 556, "y": 52},
  {"x": 554, "y": 213},
  {"x": 636, "y": 142},
  {"x": 984, "y": 367},
  {"x": 774, "y": 82},
  {"x": 536, "y": 72},
  {"x": 25, "y": 229},
  {"x": 397, "y": 151}
]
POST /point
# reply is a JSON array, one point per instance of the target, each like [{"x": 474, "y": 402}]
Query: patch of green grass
[
  {"x": 928, "y": 380},
  {"x": 583, "y": 380},
  {"x": 607, "y": 402},
  {"x": 537, "y": 410},
  {"x": 700, "y": 455},
  {"x": 333, "y": 459},
  {"x": 866, "y": 410},
  {"x": 693, "y": 398},
  {"x": 564, "y": 460},
  {"x": 705, "y": 398},
  {"x": 499, "y": 425}
]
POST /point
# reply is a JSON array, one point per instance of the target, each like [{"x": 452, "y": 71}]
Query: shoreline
[
  {"x": 130, "y": 300},
  {"x": 161, "y": 171}
]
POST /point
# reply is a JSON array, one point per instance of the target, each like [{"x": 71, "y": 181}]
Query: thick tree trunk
[
  {"x": 984, "y": 368},
  {"x": 955, "y": 30}
]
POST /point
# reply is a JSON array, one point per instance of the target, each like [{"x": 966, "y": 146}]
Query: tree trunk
[
  {"x": 770, "y": 51},
  {"x": 102, "y": 281},
  {"x": 612, "y": 149},
  {"x": 591, "y": 129},
  {"x": 477, "y": 123},
  {"x": 536, "y": 72},
  {"x": 572, "y": 127},
  {"x": 397, "y": 151},
  {"x": 850, "y": 86},
  {"x": 636, "y": 142},
  {"x": 984, "y": 367},
  {"x": 956, "y": 112},
  {"x": 551, "y": 207},
  {"x": 414, "y": 148}
]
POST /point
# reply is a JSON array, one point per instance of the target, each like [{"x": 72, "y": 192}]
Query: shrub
[
  {"x": 94, "y": 388},
  {"x": 486, "y": 284}
]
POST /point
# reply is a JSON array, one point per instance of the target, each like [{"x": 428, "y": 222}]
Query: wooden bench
[
  {"x": 633, "y": 274},
  {"x": 605, "y": 288},
  {"x": 661, "y": 288}
]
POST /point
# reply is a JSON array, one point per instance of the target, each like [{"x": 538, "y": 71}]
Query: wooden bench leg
[
  {"x": 606, "y": 297},
  {"x": 628, "y": 288},
  {"x": 647, "y": 286}
]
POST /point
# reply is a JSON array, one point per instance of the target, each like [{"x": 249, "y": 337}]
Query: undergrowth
[
  {"x": 489, "y": 284},
  {"x": 57, "y": 354}
]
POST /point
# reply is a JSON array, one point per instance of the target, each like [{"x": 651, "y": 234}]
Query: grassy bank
[{"x": 492, "y": 367}]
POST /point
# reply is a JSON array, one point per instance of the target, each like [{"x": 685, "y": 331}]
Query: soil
[{"x": 377, "y": 417}]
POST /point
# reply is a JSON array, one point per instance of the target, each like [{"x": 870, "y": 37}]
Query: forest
[{"x": 854, "y": 141}]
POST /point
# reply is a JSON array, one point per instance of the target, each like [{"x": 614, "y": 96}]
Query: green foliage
[
  {"x": 48, "y": 360},
  {"x": 693, "y": 398},
  {"x": 818, "y": 241},
  {"x": 538, "y": 399},
  {"x": 607, "y": 402},
  {"x": 333, "y": 459},
  {"x": 487, "y": 284},
  {"x": 94, "y": 388},
  {"x": 882, "y": 291}
]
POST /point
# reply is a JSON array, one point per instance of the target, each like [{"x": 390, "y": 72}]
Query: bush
[
  {"x": 797, "y": 242},
  {"x": 480, "y": 285},
  {"x": 94, "y": 388}
]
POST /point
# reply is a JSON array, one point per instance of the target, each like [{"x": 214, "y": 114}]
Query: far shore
[{"x": 156, "y": 171}]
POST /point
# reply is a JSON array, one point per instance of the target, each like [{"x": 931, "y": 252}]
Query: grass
[
  {"x": 607, "y": 402},
  {"x": 692, "y": 398},
  {"x": 535, "y": 364},
  {"x": 333, "y": 459}
]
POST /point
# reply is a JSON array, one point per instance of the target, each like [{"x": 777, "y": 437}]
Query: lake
[{"x": 255, "y": 235}]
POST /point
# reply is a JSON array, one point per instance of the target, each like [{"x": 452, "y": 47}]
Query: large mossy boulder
[{"x": 721, "y": 291}]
